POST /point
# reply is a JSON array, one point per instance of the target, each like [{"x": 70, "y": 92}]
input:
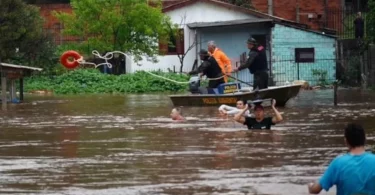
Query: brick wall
[
  {"x": 288, "y": 9},
  {"x": 281, "y": 8},
  {"x": 52, "y": 24}
]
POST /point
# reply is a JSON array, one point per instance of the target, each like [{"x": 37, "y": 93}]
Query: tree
[
  {"x": 241, "y": 3},
  {"x": 131, "y": 26},
  {"x": 176, "y": 33},
  {"x": 21, "y": 29},
  {"x": 370, "y": 17}
]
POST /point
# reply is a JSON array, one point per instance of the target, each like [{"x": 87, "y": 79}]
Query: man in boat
[
  {"x": 259, "y": 121},
  {"x": 176, "y": 114},
  {"x": 211, "y": 69},
  {"x": 221, "y": 59},
  {"x": 257, "y": 64},
  {"x": 229, "y": 110},
  {"x": 353, "y": 172}
]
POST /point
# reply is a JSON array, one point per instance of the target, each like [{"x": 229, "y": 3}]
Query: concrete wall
[
  {"x": 286, "y": 39},
  {"x": 232, "y": 40},
  {"x": 197, "y": 12}
]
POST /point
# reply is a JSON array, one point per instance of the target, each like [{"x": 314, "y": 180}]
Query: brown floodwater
[{"x": 103, "y": 144}]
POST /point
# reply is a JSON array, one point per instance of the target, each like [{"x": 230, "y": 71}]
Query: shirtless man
[
  {"x": 176, "y": 114},
  {"x": 229, "y": 110}
]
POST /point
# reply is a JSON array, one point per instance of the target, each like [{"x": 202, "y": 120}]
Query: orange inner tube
[{"x": 64, "y": 60}]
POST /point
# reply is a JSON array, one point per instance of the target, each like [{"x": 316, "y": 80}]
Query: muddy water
[{"x": 128, "y": 145}]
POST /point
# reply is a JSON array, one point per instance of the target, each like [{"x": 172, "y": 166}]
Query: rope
[
  {"x": 182, "y": 82},
  {"x": 165, "y": 78},
  {"x": 110, "y": 55},
  {"x": 106, "y": 57}
]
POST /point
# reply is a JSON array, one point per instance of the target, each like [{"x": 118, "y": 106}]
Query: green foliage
[
  {"x": 92, "y": 81},
  {"x": 21, "y": 27},
  {"x": 351, "y": 75},
  {"x": 241, "y": 3},
  {"x": 370, "y": 21},
  {"x": 321, "y": 76},
  {"x": 349, "y": 30},
  {"x": 131, "y": 26}
]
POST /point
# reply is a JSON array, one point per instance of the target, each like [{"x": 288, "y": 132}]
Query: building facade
[{"x": 230, "y": 26}]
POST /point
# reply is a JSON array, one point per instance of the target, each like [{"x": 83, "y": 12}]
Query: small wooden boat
[{"x": 282, "y": 94}]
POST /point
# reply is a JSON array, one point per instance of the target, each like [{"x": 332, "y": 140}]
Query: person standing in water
[
  {"x": 176, "y": 114},
  {"x": 259, "y": 121},
  {"x": 229, "y": 110},
  {"x": 353, "y": 173}
]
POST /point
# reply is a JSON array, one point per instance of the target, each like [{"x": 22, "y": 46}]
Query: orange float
[{"x": 64, "y": 60}]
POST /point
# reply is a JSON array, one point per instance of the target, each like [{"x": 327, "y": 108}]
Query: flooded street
[{"x": 129, "y": 145}]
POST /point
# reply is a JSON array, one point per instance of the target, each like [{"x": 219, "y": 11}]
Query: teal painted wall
[{"x": 285, "y": 40}]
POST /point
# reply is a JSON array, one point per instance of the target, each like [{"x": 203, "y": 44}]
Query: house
[
  {"x": 327, "y": 15},
  {"x": 230, "y": 26},
  {"x": 323, "y": 14}
]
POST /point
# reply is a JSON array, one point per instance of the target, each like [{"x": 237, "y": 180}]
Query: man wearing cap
[
  {"x": 221, "y": 58},
  {"x": 210, "y": 68},
  {"x": 259, "y": 121},
  {"x": 257, "y": 64}
]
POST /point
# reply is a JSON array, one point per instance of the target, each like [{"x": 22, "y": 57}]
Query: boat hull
[{"x": 281, "y": 94}]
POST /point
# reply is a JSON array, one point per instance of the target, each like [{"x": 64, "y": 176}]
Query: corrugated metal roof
[
  {"x": 20, "y": 67},
  {"x": 227, "y": 23}
]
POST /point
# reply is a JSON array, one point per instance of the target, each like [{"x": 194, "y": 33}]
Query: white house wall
[{"x": 197, "y": 12}]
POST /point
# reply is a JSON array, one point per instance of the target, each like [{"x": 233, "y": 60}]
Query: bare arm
[
  {"x": 239, "y": 116},
  {"x": 249, "y": 60},
  {"x": 315, "y": 188},
  {"x": 277, "y": 118}
]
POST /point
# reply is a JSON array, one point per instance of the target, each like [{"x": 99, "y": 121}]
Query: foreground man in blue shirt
[{"x": 354, "y": 172}]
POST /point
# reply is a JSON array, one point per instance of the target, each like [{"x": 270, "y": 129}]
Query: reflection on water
[{"x": 128, "y": 145}]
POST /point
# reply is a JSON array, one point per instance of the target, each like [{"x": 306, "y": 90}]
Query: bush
[
  {"x": 352, "y": 76},
  {"x": 93, "y": 81}
]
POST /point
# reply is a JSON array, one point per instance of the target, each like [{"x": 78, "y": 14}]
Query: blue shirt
[{"x": 352, "y": 174}]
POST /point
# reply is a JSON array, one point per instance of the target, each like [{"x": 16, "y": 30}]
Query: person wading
[
  {"x": 210, "y": 68},
  {"x": 257, "y": 64},
  {"x": 353, "y": 173},
  {"x": 221, "y": 58},
  {"x": 229, "y": 110},
  {"x": 176, "y": 114},
  {"x": 259, "y": 121}
]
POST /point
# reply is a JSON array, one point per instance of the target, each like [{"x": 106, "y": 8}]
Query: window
[
  {"x": 174, "y": 45},
  {"x": 304, "y": 55}
]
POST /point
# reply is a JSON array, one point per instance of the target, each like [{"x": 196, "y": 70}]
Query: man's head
[
  {"x": 203, "y": 54},
  {"x": 359, "y": 14},
  {"x": 240, "y": 104},
  {"x": 355, "y": 135},
  {"x": 176, "y": 113},
  {"x": 251, "y": 42},
  {"x": 259, "y": 112},
  {"x": 211, "y": 46}
]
